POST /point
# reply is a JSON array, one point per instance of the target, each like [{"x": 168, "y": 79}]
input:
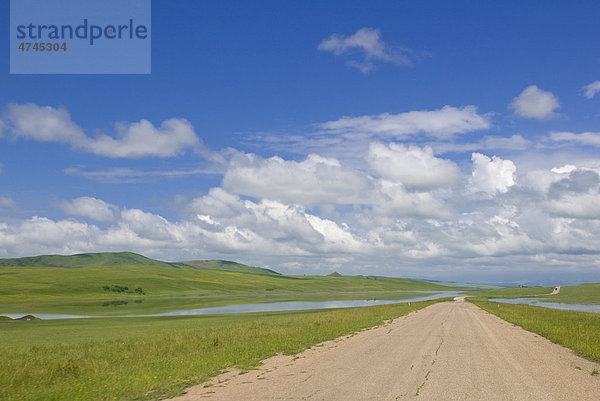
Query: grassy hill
[
  {"x": 85, "y": 260},
  {"x": 225, "y": 265}
]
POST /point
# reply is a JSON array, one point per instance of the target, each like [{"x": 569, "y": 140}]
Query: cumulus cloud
[
  {"x": 416, "y": 168},
  {"x": 92, "y": 208},
  {"x": 46, "y": 124},
  {"x": 396, "y": 202},
  {"x": 585, "y": 138},
  {"x": 367, "y": 43},
  {"x": 443, "y": 123},
  {"x": 132, "y": 140},
  {"x": 492, "y": 175},
  {"x": 314, "y": 180},
  {"x": 535, "y": 103},
  {"x": 144, "y": 139},
  {"x": 591, "y": 89},
  {"x": 584, "y": 206}
]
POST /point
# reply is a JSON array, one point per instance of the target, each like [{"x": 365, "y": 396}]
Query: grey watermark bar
[{"x": 80, "y": 37}]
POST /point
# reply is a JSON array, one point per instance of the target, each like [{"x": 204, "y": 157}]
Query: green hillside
[
  {"x": 85, "y": 260},
  {"x": 225, "y": 265}
]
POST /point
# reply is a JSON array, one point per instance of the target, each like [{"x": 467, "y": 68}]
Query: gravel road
[{"x": 448, "y": 351}]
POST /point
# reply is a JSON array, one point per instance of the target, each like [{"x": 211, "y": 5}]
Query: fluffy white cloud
[
  {"x": 267, "y": 226},
  {"x": 144, "y": 139},
  {"x": 395, "y": 201},
  {"x": 492, "y": 175},
  {"x": 46, "y": 124},
  {"x": 585, "y": 138},
  {"x": 585, "y": 206},
  {"x": 416, "y": 168},
  {"x": 535, "y": 103},
  {"x": 132, "y": 140},
  {"x": 92, "y": 208},
  {"x": 368, "y": 43},
  {"x": 443, "y": 123},
  {"x": 591, "y": 89},
  {"x": 313, "y": 180}
]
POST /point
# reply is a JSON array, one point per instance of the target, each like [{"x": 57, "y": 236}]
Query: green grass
[
  {"x": 80, "y": 291},
  {"x": 579, "y": 331},
  {"x": 584, "y": 293},
  {"x": 151, "y": 358}
]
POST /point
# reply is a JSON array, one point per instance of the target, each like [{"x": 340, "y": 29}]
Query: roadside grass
[
  {"x": 579, "y": 331},
  {"x": 584, "y": 293},
  {"x": 82, "y": 290},
  {"x": 153, "y": 358}
]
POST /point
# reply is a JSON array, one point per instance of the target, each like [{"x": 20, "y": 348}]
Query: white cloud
[
  {"x": 584, "y": 206},
  {"x": 120, "y": 175},
  {"x": 585, "y": 138},
  {"x": 46, "y": 124},
  {"x": 132, "y": 140},
  {"x": 416, "y": 168},
  {"x": 92, "y": 208},
  {"x": 535, "y": 103},
  {"x": 591, "y": 89},
  {"x": 515, "y": 142},
  {"x": 443, "y": 123},
  {"x": 394, "y": 201},
  {"x": 492, "y": 175},
  {"x": 313, "y": 180},
  {"x": 8, "y": 203},
  {"x": 144, "y": 139},
  {"x": 368, "y": 43}
]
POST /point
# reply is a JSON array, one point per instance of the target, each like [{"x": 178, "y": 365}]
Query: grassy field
[
  {"x": 579, "y": 331},
  {"x": 584, "y": 293},
  {"x": 151, "y": 358},
  {"x": 159, "y": 287}
]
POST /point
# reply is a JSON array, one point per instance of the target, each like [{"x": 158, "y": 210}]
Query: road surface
[{"x": 448, "y": 351}]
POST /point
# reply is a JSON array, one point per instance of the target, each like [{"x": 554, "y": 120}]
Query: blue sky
[{"x": 449, "y": 140}]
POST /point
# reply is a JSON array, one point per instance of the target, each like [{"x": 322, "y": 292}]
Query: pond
[
  {"x": 262, "y": 307},
  {"x": 551, "y": 305}
]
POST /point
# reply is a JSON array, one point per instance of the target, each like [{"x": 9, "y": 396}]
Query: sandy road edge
[{"x": 281, "y": 359}]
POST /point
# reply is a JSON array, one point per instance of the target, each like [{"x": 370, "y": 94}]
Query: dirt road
[{"x": 448, "y": 351}]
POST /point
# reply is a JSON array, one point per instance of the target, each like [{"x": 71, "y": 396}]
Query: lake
[{"x": 262, "y": 307}]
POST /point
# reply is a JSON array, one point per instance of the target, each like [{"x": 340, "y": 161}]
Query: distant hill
[
  {"x": 334, "y": 274},
  {"x": 225, "y": 265},
  {"x": 126, "y": 259},
  {"x": 85, "y": 260}
]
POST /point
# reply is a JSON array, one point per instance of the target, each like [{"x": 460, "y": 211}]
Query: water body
[
  {"x": 292, "y": 306},
  {"x": 264, "y": 307},
  {"x": 551, "y": 305}
]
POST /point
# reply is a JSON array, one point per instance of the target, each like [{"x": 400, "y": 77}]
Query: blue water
[
  {"x": 551, "y": 305},
  {"x": 265, "y": 307}
]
